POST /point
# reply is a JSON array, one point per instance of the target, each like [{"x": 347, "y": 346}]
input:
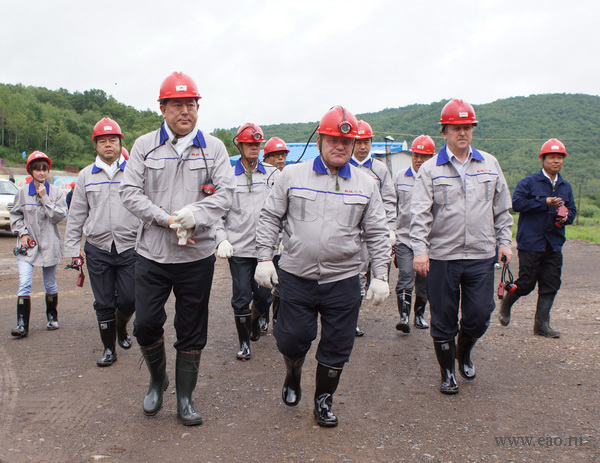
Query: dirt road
[{"x": 56, "y": 405}]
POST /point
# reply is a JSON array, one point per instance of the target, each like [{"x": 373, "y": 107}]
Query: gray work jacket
[
  {"x": 405, "y": 184},
  {"x": 238, "y": 226},
  {"x": 322, "y": 223},
  {"x": 453, "y": 220},
  {"x": 380, "y": 173},
  {"x": 39, "y": 218},
  {"x": 158, "y": 182},
  {"x": 97, "y": 212}
]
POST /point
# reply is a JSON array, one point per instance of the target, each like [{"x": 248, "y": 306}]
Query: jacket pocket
[
  {"x": 444, "y": 191},
  {"x": 485, "y": 186},
  {"x": 93, "y": 194},
  {"x": 156, "y": 180},
  {"x": 303, "y": 205},
  {"x": 196, "y": 173},
  {"x": 351, "y": 211}
]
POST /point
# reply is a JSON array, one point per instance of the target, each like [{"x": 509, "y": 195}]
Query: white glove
[
  {"x": 185, "y": 217},
  {"x": 183, "y": 234},
  {"x": 265, "y": 274},
  {"x": 392, "y": 238},
  {"x": 378, "y": 291},
  {"x": 280, "y": 249},
  {"x": 225, "y": 249}
]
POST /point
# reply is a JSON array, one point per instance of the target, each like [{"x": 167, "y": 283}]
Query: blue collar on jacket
[
  {"x": 197, "y": 142},
  {"x": 542, "y": 178},
  {"x": 240, "y": 169},
  {"x": 97, "y": 169},
  {"x": 443, "y": 157},
  {"x": 409, "y": 173},
  {"x": 319, "y": 168},
  {"x": 368, "y": 163},
  {"x": 33, "y": 191}
]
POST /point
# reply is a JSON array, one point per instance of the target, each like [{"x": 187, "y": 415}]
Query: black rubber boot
[
  {"x": 291, "y": 392},
  {"x": 464, "y": 345},
  {"x": 254, "y": 323},
  {"x": 404, "y": 302},
  {"x": 108, "y": 335},
  {"x": 157, "y": 365},
  {"x": 507, "y": 302},
  {"x": 242, "y": 323},
  {"x": 541, "y": 326},
  {"x": 445, "y": 351},
  {"x": 328, "y": 379},
  {"x": 52, "y": 311},
  {"x": 123, "y": 337},
  {"x": 358, "y": 332},
  {"x": 23, "y": 313},
  {"x": 187, "y": 365},
  {"x": 420, "y": 303},
  {"x": 263, "y": 322}
]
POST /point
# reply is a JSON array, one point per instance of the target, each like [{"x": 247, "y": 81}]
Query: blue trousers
[
  {"x": 301, "y": 303},
  {"x": 467, "y": 285},
  {"x": 245, "y": 290}
]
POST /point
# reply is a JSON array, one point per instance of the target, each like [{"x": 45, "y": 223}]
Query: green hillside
[{"x": 512, "y": 129}]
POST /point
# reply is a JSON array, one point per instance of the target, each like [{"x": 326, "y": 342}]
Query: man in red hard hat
[
  {"x": 179, "y": 183},
  {"x": 110, "y": 233},
  {"x": 362, "y": 159},
  {"x": 460, "y": 209},
  {"x": 236, "y": 234},
  {"x": 275, "y": 153},
  {"x": 423, "y": 149},
  {"x": 324, "y": 206},
  {"x": 546, "y": 204}
]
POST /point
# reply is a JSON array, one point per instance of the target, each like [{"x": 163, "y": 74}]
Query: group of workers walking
[{"x": 311, "y": 240}]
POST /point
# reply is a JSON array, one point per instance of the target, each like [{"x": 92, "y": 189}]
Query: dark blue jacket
[{"x": 536, "y": 220}]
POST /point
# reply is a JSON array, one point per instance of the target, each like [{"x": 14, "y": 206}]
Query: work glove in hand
[
  {"x": 265, "y": 274},
  {"x": 378, "y": 291},
  {"x": 185, "y": 217},
  {"x": 183, "y": 234},
  {"x": 392, "y": 238},
  {"x": 225, "y": 249}
]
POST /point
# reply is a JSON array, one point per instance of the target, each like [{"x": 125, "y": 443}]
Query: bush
[{"x": 589, "y": 211}]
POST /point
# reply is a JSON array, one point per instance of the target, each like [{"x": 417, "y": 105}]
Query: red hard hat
[
  {"x": 274, "y": 145},
  {"x": 125, "y": 153},
  {"x": 339, "y": 122},
  {"x": 36, "y": 156},
  {"x": 554, "y": 145},
  {"x": 178, "y": 85},
  {"x": 364, "y": 130},
  {"x": 423, "y": 144},
  {"x": 106, "y": 126},
  {"x": 458, "y": 112},
  {"x": 72, "y": 185},
  {"x": 249, "y": 133}
]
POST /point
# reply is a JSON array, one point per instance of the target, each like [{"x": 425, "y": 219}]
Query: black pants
[
  {"x": 468, "y": 284},
  {"x": 545, "y": 268},
  {"x": 191, "y": 283},
  {"x": 110, "y": 273},
  {"x": 245, "y": 289},
  {"x": 301, "y": 302}
]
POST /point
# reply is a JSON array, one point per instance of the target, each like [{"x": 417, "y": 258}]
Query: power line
[{"x": 489, "y": 139}]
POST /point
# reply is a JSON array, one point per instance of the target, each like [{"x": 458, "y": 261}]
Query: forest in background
[{"x": 60, "y": 123}]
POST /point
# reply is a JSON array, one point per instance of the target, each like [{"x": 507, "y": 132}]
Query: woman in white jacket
[{"x": 39, "y": 208}]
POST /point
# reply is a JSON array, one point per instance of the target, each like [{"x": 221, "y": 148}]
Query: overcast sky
[{"x": 278, "y": 61}]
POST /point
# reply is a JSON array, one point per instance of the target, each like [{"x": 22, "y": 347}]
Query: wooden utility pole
[{"x": 578, "y": 205}]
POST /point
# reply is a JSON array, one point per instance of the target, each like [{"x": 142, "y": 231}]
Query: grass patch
[{"x": 587, "y": 230}]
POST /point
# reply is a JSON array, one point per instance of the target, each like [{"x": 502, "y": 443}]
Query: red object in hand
[
  {"x": 561, "y": 214},
  {"x": 80, "y": 279}
]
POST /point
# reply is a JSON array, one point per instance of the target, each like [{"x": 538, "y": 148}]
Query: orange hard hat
[
  {"x": 275, "y": 145},
  {"x": 36, "y": 156},
  {"x": 338, "y": 122},
  {"x": 364, "y": 130},
  {"x": 125, "y": 153},
  {"x": 458, "y": 112},
  {"x": 249, "y": 133},
  {"x": 554, "y": 145},
  {"x": 178, "y": 85},
  {"x": 106, "y": 126},
  {"x": 423, "y": 144}
]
